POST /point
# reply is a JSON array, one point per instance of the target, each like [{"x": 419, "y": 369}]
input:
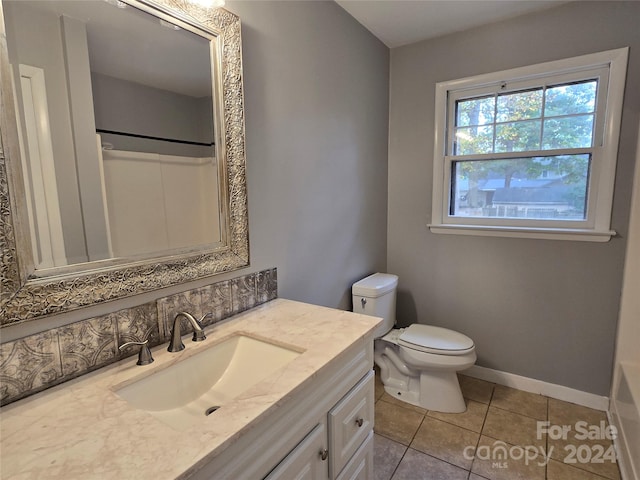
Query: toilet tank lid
[{"x": 375, "y": 285}]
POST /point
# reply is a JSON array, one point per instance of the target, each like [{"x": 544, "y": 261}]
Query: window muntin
[
  {"x": 552, "y": 188},
  {"x": 545, "y": 118},
  {"x": 565, "y": 112}
]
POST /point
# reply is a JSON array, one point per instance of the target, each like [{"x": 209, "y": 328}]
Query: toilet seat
[{"x": 438, "y": 340}]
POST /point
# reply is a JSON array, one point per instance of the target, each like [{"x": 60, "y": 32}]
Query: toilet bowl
[{"x": 418, "y": 364}]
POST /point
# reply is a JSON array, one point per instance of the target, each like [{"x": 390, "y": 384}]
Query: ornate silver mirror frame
[{"x": 24, "y": 297}]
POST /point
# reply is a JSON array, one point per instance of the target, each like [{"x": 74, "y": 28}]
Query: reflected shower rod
[{"x": 148, "y": 137}]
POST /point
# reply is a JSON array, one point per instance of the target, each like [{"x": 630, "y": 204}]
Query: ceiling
[{"x": 401, "y": 22}]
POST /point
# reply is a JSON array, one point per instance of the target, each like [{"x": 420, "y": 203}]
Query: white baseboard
[{"x": 532, "y": 385}]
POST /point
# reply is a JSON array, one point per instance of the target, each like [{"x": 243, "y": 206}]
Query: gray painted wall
[
  {"x": 316, "y": 91},
  {"x": 539, "y": 308},
  {"x": 316, "y": 104}
]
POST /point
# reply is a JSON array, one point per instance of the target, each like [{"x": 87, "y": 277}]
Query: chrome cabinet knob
[
  {"x": 324, "y": 454},
  {"x": 359, "y": 421}
]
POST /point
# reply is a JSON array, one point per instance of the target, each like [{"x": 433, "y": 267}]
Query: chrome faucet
[
  {"x": 175, "y": 345},
  {"x": 144, "y": 356}
]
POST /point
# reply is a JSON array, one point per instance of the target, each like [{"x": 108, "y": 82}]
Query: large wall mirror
[{"x": 122, "y": 167}]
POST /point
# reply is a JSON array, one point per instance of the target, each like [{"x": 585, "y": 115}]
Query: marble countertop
[{"x": 82, "y": 429}]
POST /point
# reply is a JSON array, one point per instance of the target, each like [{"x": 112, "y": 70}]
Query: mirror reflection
[{"x": 117, "y": 131}]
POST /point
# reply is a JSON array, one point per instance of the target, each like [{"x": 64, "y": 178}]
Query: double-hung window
[{"x": 530, "y": 152}]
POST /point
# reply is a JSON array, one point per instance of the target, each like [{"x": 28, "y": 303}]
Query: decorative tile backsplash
[
  {"x": 32, "y": 364},
  {"x": 29, "y": 364}
]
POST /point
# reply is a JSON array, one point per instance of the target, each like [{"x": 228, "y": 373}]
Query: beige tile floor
[{"x": 415, "y": 444}]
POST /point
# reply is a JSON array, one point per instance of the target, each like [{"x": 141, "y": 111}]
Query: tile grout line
[
  {"x": 396, "y": 468},
  {"x": 460, "y": 426},
  {"x": 511, "y": 411},
  {"x": 418, "y": 429},
  {"x": 577, "y": 466},
  {"x": 412, "y": 438},
  {"x": 440, "y": 459},
  {"x": 484, "y": 420},
  {"x": 424, "y": 416},
  {"x": 480, "y": 434}
]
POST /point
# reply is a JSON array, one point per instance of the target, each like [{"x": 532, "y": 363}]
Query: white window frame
[{"x": 610, "y": 67}]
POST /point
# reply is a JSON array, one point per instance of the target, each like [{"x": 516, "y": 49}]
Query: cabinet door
[
  {"x": 306, "y": 461},
  {"x": 360, "y": 467},
  {"x": 350, "y": 422}
]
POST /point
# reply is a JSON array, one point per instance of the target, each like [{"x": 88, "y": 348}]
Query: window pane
[
  {"x": 518, "y": 136},
  {"x": 471, "y": 140},
  {"x": 543, "y": 188},
  {"x": 520, "y": 106},
  {"x": 568, "y": 132},
  {"x": 570, "y": 99},
  {"x": 478, "y": 111}
]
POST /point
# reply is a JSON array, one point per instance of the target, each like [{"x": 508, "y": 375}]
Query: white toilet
[{"x": 418, "y": 364}]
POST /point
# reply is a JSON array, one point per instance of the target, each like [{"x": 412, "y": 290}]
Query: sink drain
[{"x": 210, "y": 410}]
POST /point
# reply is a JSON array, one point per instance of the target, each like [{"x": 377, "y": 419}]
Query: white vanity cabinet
[
  {"x": 322, "y": 431},
  {"x": 310, "y": 419},
  {"x": 350, "y": 431},
  {"x": 350, "y": 423},
  {"x": 360, "y": 467},
  {"x": 307, "y": 461}
]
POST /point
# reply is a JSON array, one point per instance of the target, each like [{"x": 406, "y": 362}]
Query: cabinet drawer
[
  {"x": 304, "y": 462},
  {"x": 350, "y": 422},
  {"x": 360, "y": 467}
]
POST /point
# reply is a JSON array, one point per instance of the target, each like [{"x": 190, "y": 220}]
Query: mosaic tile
[
  {"x": 87, "y": 345},
  {"x": 29, "y": 365}
]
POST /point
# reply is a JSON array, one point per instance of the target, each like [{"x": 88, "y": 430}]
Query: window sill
[{"x": 523, "y": 232}]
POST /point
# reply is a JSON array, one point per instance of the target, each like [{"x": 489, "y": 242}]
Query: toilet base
[
  {"x": 434, "y": 388},
  {"x": 440, "y": 391},
  {"x": 406, "y": 396},
  {"x": 436, "y": 391}
]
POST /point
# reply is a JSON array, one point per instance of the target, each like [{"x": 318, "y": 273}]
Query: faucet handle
[
  {"x": 198, "y": 335},
  {"x": 144, "y": 356}
]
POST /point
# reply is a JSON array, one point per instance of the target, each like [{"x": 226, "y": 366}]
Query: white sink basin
[{"x": 191, "y": 389}]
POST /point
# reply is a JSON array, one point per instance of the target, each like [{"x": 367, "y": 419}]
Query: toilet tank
[{"x": 376, "y": 295}]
